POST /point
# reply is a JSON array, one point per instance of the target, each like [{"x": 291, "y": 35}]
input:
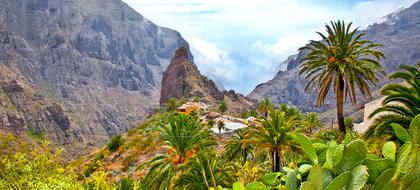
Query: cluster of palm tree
[{"x": 342, "y": 61}]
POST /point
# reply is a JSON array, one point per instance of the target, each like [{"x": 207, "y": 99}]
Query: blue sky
[{"x": 241, "y": 43}]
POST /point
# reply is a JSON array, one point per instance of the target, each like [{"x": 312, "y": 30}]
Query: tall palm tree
[
  {"x": 265, "y": 106},
  {"x": 344, "y": 61},
  {"x": 401, "y": 103},
  {"x": 312, "y": 121},
  {"x": 274, "y": 135},
  {"x": 184, "y": 137}
]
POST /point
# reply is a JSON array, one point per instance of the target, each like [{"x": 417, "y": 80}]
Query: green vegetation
[
  {"x": 342, "y": 60},
  {"x": 273, "y": 135},
  {"x": 115, "y": 143},
  {"x": 222, "y": 107},
  {"x": 172, "y": 104},
  {"x": 312, "y": 121},
  {"x": 401, "y": 103},
  {"x": 282, "y": 149},
  {"x": 265, "y": 106}
]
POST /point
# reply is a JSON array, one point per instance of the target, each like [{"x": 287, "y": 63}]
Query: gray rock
[{"x": 100, "y": 61}]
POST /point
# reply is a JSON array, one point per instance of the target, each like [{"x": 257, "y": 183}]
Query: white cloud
[
  {"x": 214, "y": 62},
  {"x": 242, "y": 43}
]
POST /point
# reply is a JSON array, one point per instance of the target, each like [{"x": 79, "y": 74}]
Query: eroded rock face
[
  {"x": 183, "y": 79},
  {"x": 101, "y": 61},
  {"x": 401, "y": 40}
]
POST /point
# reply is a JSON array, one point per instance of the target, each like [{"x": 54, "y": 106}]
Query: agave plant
[{"x": 401, "y": 103}]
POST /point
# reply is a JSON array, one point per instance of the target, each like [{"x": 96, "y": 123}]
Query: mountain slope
[
  {"x": 99, "y": 60},
  {"x": 400, "y": 35}
]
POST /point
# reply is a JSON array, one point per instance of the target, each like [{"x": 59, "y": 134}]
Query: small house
[{"x": 189, "y": 107}]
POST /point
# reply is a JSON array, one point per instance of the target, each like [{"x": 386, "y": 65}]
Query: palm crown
[
  {"x": 341, "y": 60},
  {"x": 401, "y": 103}
]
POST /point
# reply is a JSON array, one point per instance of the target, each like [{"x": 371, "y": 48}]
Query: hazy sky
[{"x": 242, "y": 43}]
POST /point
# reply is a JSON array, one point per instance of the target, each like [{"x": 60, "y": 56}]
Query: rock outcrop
[
  {"x": 99, "y": 61},
  {"x": 183, "y": 79},
  {"x": 400, "y": 35}
]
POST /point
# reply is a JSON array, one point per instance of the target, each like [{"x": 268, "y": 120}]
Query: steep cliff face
[
  {"x": 400, "y": 35},
  {"x": 183, "y": 79},
  {"x": 99, "y": 61}
]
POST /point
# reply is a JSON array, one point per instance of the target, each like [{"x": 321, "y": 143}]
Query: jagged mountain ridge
[
  {"x": 182, "y": 79},
  {"x": 400, "y": 35},
  {"x": 99, "y": 60}
]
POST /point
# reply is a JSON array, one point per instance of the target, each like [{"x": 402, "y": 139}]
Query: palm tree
[
  {"x": 344, "y": 61},
  {"x": 222, "y": 107},
  {"x": 237, "y": 146},
  {"x": 184, "y": 137},
  {"x": 220, "y": 126},
  {"x": 205, "y": 171},
  {"x": 265, "y": 106},
  {"x": 172, "y": 104},
  {"x": 312, "y": 121},
  {"x": 274, "y": 136},
  {"x": 401, "y": 103}
]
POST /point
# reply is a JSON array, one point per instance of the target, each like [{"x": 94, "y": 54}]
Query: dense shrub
[{"x": 115, "y": 143}]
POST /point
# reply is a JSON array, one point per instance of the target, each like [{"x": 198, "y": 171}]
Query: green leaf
[
  {"x": 415, "y": 130},
  {"x": 291, "y": 181},
  {"x": 307, "y": 186},
  {"x": 376, "y": 167},
  {"x": 340, "y": 181},
  {"x": 256, "y": 186},
  {"x": 384, "y": 181},
  {"x": 415, "y": 185},
  {"x": 307, "y": 147},
  {"x": 328, "y": 177},
  {"x": 304, "y": 168},
  {"x": 316, "y": 177},
  {"x": 359, "y": 177},
  {"x": 406, "y": 160},
  {"x": 238, "y": 186},
  {"x": 334, "y": 155},
  {"x": 400, "y": 132},
  {"x": 271, "y": 178},
  {"x": 354, "y": 153},
  {"x": 319, "y": 147},
  {"x": 389, "y": 150}
]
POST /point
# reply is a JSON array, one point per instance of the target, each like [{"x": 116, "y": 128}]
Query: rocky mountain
[
  {"x": 400, "y": 35},
  {"x": 83, "y": 70},
  {"x": 183, "y": 79}
]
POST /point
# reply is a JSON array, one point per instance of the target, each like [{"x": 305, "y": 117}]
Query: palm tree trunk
[
  {"x": 275, "y": 160},
  {"x": 340, "y": 105}
]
